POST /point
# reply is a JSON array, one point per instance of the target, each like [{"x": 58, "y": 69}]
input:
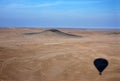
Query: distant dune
[{"x": 52, "y": 33}]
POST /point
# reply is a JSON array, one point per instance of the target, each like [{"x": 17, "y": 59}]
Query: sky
[{"x": 60, "y": 13}]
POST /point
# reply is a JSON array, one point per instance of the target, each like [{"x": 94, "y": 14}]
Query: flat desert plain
[{"x": 28, "y": 54}]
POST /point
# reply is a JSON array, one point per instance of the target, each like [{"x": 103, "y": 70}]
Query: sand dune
[
  {"x": 53, "y": 55},
  {"x": 52, "y": 33}
]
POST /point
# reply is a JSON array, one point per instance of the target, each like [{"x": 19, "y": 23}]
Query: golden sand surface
[{"x": 26, "y": 54}]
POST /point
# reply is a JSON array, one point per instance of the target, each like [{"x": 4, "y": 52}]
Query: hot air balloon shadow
[{"x": 100, "y": 64}]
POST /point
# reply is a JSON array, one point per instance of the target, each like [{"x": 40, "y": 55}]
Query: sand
[{"x": 52, "y": 56}]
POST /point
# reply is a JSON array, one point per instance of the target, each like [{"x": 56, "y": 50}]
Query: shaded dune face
[{"x": 52, "y": 33}]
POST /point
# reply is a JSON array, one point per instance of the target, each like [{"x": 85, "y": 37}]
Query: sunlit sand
[{"x": 52, "y": 55}]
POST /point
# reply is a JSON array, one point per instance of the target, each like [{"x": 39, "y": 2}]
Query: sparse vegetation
[{"x": 114, "y": 33}]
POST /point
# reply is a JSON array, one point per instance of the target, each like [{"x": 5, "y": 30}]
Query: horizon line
[{"x": 84, "y": 28}]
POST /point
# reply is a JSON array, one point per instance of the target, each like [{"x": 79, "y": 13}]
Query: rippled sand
[{"x": 54, "y": 57}]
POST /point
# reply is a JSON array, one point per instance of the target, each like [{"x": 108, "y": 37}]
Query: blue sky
[{"x": 60, "y": 13}]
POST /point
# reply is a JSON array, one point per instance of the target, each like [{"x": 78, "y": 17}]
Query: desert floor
[{"x": 27, "y": 55}]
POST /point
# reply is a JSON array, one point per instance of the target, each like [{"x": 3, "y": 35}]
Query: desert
[{"x": 39, "y": 54}]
